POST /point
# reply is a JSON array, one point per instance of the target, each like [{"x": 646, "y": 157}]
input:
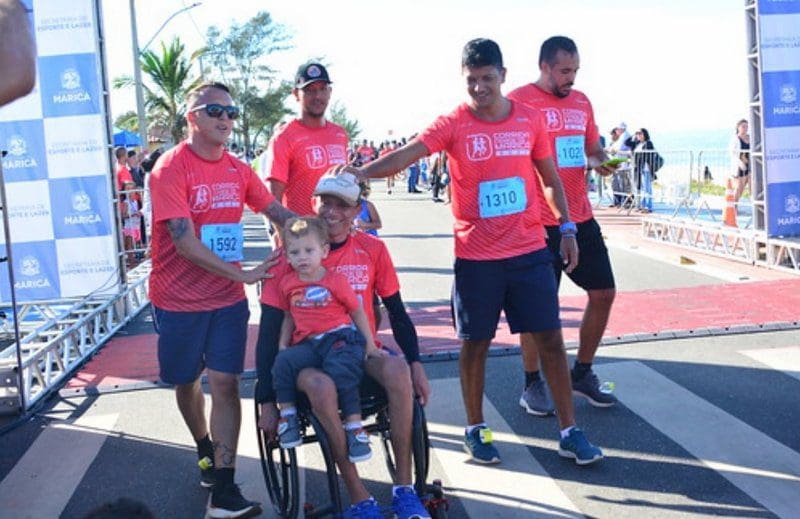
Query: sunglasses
[{"x": 216, "y": 110}]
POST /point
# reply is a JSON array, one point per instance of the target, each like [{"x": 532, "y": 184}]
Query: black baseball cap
[{"x": 310, "y": 73}]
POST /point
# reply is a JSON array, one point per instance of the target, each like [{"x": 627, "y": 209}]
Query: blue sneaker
[
  {"x": 406, "y": 505},
  {"x": 478, "y": 445},
  {"x": 589, "y": 387},
  {"x": 289, "y": 432},
  {"x": 576, "y": 446},
  {"x": 366, "y": 509}
]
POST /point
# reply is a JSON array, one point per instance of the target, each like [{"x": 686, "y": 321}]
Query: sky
[{"x": 672, "y": 66}]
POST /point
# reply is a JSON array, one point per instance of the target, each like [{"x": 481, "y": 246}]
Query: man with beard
[
  {"x": 305, "y": 148},
  {"x": 575, "y": 141}
]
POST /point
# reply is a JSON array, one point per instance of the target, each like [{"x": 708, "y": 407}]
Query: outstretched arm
[{"x": 17, "y": 52}]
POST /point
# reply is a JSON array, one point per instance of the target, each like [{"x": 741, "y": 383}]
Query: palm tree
[{"x": 170, "y": 77}]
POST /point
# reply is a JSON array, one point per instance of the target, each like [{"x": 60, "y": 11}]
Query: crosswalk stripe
[
  {"x": 43, "y": 481},
  {"x": 763, "y": 468},
  {"x": 786, "y": 359},
  {"x": 519, "y": 485}
]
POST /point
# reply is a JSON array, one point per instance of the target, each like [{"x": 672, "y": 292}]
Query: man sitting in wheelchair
[
  {"x": 317, "y": 332},
  {"x": 366, "y": 263}
]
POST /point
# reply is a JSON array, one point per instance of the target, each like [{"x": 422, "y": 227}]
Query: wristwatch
[{"x": 568, "y": 228}]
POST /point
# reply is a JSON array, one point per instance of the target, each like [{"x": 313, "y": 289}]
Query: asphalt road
[{"x": 705, "y": 426}]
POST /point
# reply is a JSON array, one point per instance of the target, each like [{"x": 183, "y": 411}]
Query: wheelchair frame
[{"x": 281, "y": 472}]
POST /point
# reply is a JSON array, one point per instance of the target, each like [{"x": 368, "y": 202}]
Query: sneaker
[
  {"x": 366, "y": 509},
  {"x": 207, "y": 477},
  {"x": 289, "y": 432},
  {"x": 358, "y": 445},
  {"x": 576, "y": 446},
  {"x": 589, "y": 387},
  {"x": 478, "y": 444},
  {"x": 406, "y": 505},
  {"x": 536, "y": 399},
  {"x": 227, "y": 502}
]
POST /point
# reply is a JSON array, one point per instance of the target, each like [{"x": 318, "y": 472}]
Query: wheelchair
[{"x": 281, "y": 472}]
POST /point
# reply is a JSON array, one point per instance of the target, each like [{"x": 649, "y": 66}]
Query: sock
[
  {"x": 205, "y": 448},
  {"x": 288, "y": 411},
  {"x": 395, "y": 488},
  {"x": 471, "y": 428},
  {"x": 352, "y": 426},
  {"x": 580, "y": 369},
  {"x": 224, "y": 477},
  {"x": 531, "y": 377},
  {"x": 565, "y": 432}
]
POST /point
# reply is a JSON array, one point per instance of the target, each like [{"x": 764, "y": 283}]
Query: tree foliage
[
  {"x": 169, "y": 79},
  {"x": 240, "y": 57},
  {"x": 128, "y": 121},
  {"x": 338, "y": 114}
]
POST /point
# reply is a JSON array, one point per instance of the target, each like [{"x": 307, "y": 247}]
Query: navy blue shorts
[
  {"x": 523, "y": 287},
  {"x": 190, "y": 341},
  {"x": 594, "y": 266}
]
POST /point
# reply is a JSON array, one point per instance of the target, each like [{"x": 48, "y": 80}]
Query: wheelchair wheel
[{"x": 281, "y": 474}]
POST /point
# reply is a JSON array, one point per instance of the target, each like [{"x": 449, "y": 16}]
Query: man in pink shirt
[
  {"x": 576, "y": 144},
  {"x": 499, "y": 157},
  {"x": 200, "y": 311},
  {"x": 304, "y": 149}
]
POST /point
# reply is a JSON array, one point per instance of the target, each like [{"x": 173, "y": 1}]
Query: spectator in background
[
  {"x": 643, "y": 159},
  {"x": 620, "y": 147},
  {"x": 740, "y": 158},
  {"x": 368, "y": 219},
  {"x": 123, "y": 174}
]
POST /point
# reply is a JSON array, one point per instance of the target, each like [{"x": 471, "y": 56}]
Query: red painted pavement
[{"x": 132, "y": 360}]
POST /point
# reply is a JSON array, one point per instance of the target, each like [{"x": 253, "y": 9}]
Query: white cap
[
  {"x": 622, "y": 126},
  {"x": 344, "y": 186}
]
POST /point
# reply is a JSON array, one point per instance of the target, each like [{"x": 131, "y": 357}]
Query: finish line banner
[
  {"x": 779, "y": 25},
  {"x": 56, "y": 170}
]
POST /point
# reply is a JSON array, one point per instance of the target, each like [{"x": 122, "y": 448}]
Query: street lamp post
[{"x": 137, "y": 65}]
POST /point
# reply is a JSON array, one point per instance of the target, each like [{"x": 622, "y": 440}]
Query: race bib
[
  {"x": 226, "y": 240},
  {"x": 502, "y": 197},
  {"x": 570, "y": 151}
]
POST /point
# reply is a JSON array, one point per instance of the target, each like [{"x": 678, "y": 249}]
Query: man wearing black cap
[{"x": 303, "y": 150}]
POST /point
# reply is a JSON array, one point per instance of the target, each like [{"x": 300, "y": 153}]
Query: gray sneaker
[
  {"x": 536, "y": 399},
  {"x": 358, "y": 448},
  {"x": 289, "y": 432},
  {"x": 589, "y": 387}
]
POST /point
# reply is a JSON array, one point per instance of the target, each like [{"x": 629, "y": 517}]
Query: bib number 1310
[{"x": 502, "y": 197}]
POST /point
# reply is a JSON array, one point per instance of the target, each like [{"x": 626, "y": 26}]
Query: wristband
[{"x": 568, "y": 228}]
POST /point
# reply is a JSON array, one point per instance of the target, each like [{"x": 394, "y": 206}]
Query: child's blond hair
[{"x": 304, "y": 226}]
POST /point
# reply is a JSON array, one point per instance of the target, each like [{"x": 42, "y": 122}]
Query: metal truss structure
[
  {"x": 59, "y": 340},
  {"x": 751, "y": 245}
]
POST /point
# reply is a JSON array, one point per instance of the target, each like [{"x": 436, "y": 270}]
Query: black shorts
[
  {"x": 523, "y": 287},
  {"x": 594, "y": 266}
]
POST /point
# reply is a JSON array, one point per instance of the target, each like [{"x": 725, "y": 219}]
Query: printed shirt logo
[
  {"x": 788, "y": 94},
  {"x": 81, "y": 202},
  {"x": 17, "y": 145},
  {"x": 200, "y": 201},
  {"x": 29, "y": 266},
  {"x": 511, "y": 143},
  {"x": 312, "y": 297},
  {"x": 575, "y": 119},
  {"x": 70, "y": 79},
  {"x": 479, "y": 147},
  {"x": 315, "y": 157},
  {"x": 552, "y": 117},
  {"x": 792, "y": 204},
  {"x": 336, "y": 154}
]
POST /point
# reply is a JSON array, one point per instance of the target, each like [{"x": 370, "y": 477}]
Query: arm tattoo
[
  {"x": 177, "y": 228},
  {"x": 277, "y": 213}
]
